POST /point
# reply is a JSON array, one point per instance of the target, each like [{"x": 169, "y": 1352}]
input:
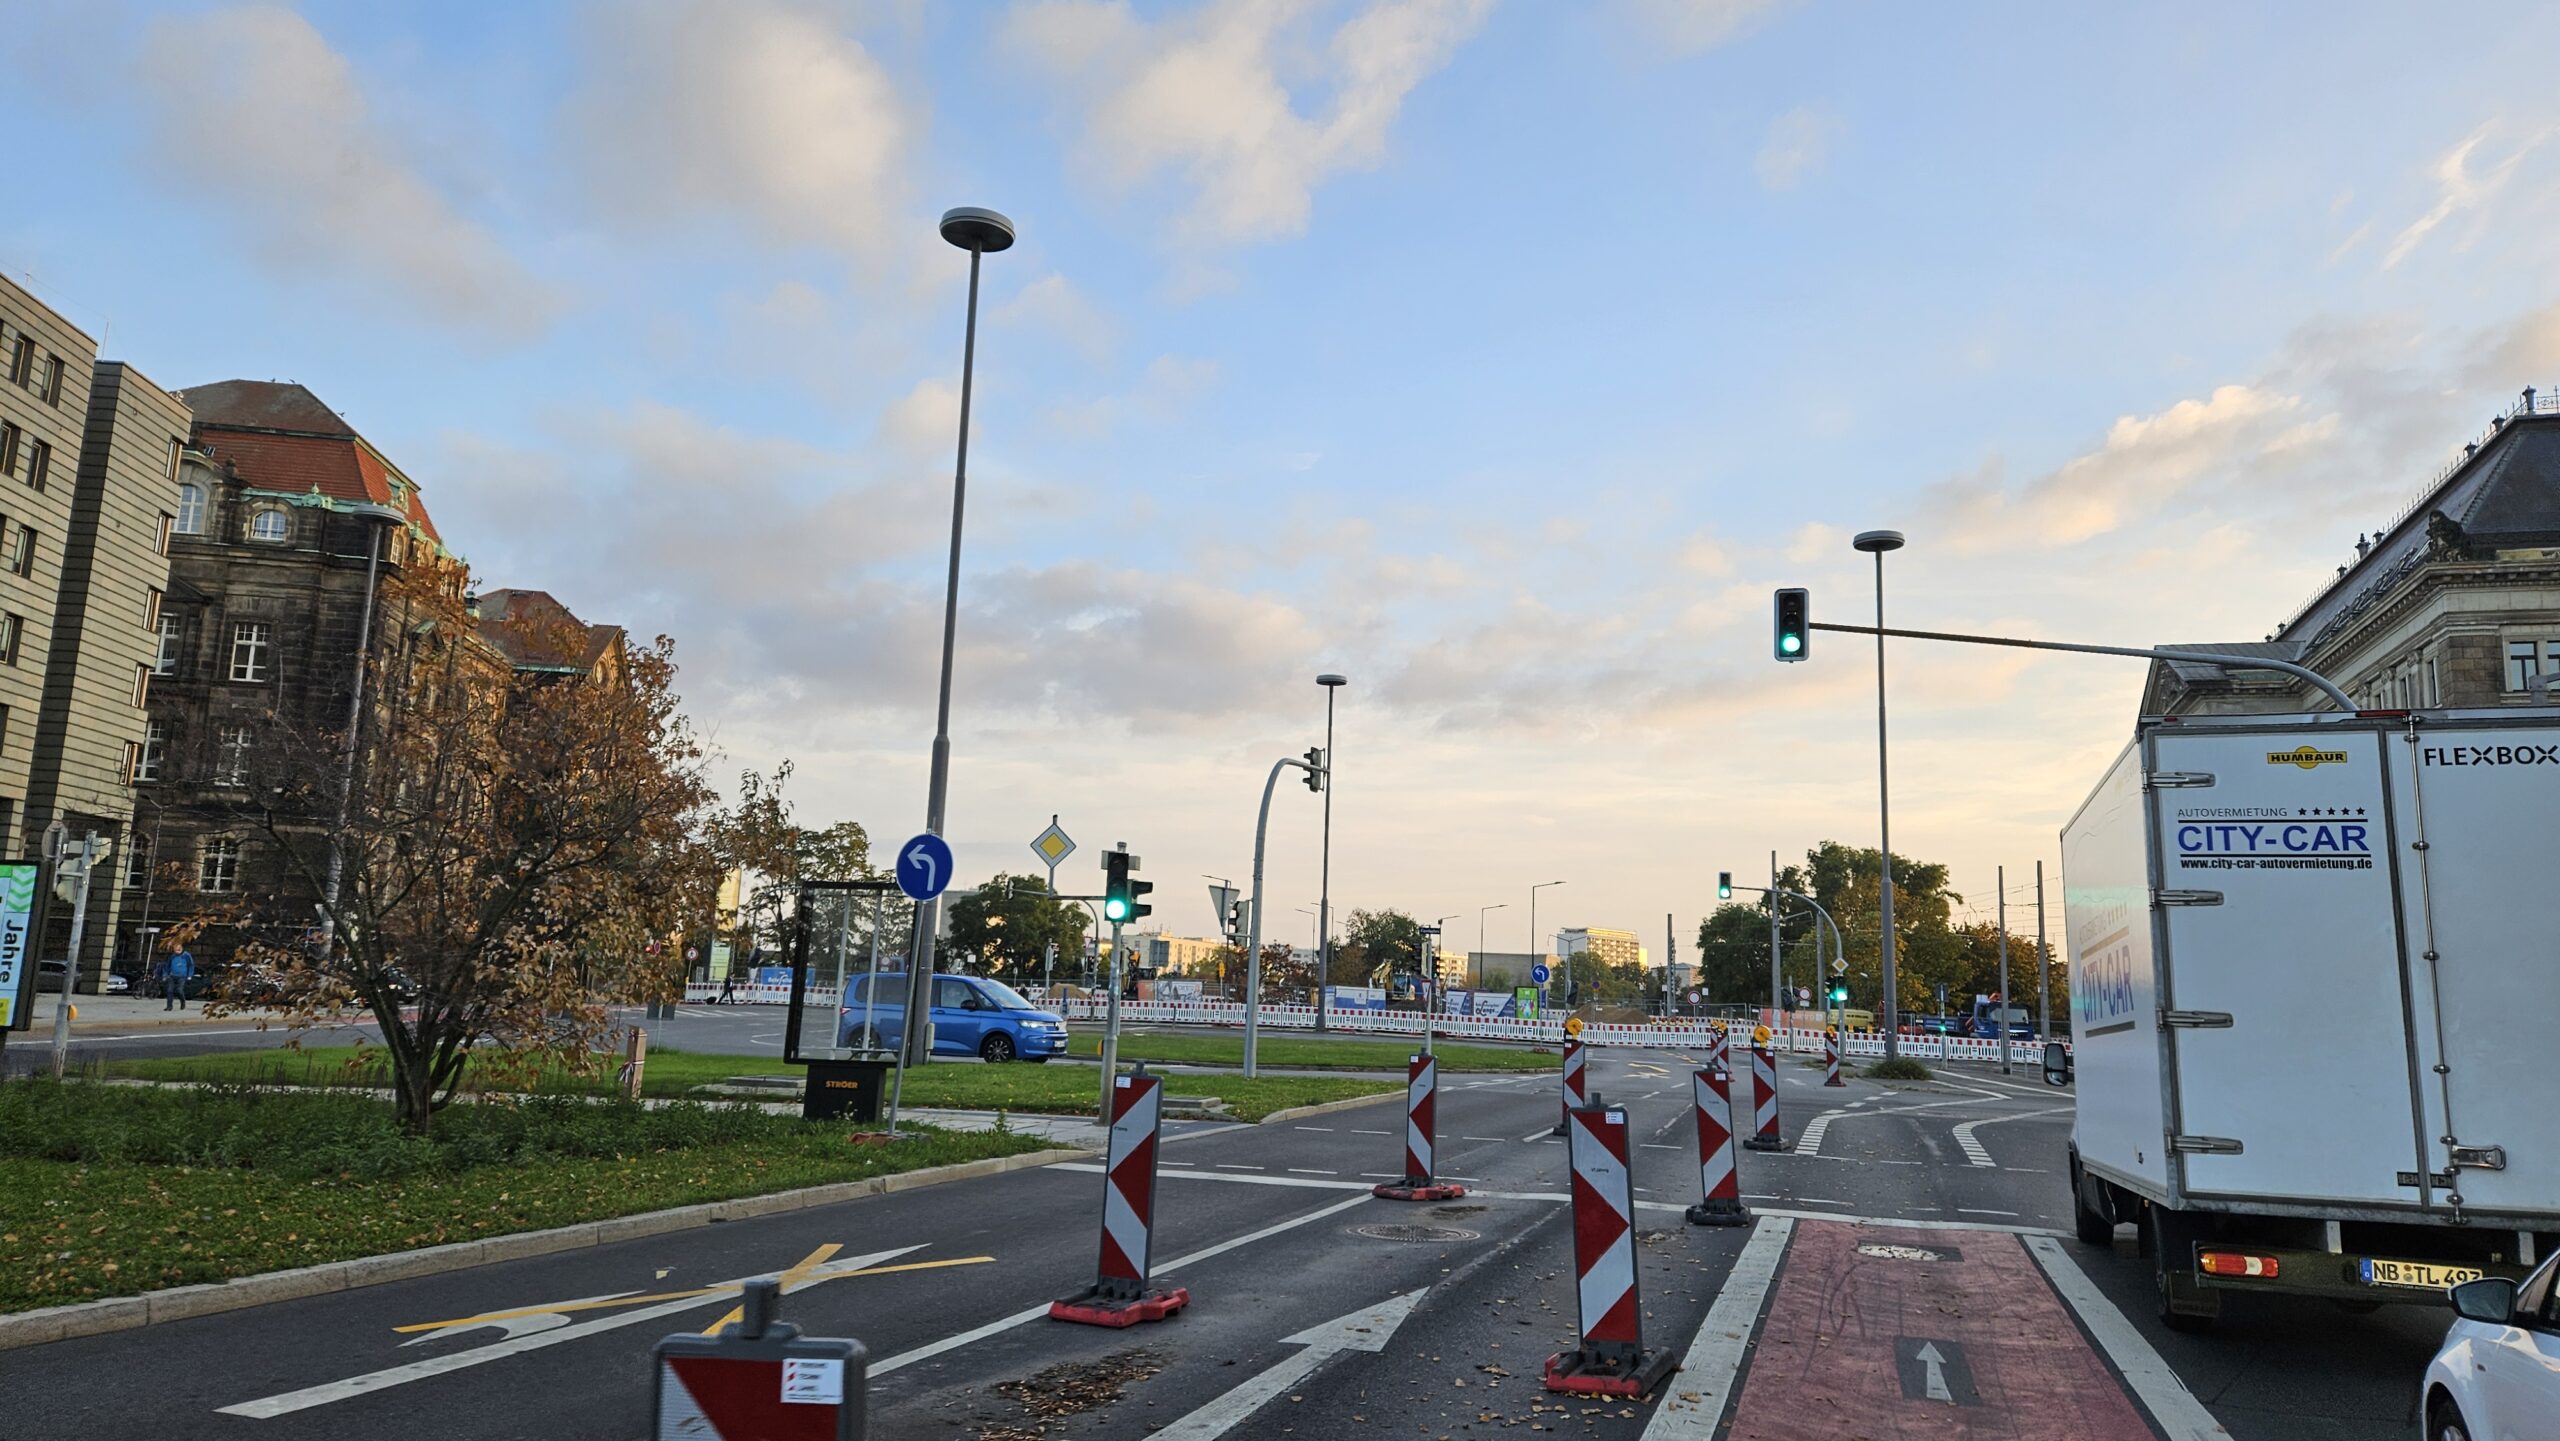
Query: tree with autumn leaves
[{"x": 495, "y": 848}]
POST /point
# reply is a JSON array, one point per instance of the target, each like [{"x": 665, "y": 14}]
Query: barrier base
[
  {"x": 1719, "y": 1212},
  {"x": 1091, "y": 1308},
  {"x": 1833, "y": 1080},
  {"x": 1410, "y": 1189},
  {"x": 1767, "y": 1143},
  {"x": 1585, "y": 1374}
]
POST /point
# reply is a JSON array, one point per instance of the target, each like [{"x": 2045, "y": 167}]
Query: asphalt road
[{"x": 1909, "y": 1223}]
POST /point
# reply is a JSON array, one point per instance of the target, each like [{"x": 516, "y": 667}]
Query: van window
[{"x": 952, "y": 995}]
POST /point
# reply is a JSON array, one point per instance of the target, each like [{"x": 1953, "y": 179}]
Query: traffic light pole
[
  {"x": 1253, "y": 955},
  {"x": 1111, "y": 1025}
]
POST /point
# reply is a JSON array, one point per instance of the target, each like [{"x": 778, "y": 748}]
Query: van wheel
[
  {"x": 2184, "y": 1305},
  {"x": 2444, "y": 1420},
  {"x": 2093, "y": 1227},
  {"x": 997, "y": 1048}
]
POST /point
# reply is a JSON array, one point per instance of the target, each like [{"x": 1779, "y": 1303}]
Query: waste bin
[{"x": 841, "y": 1089}]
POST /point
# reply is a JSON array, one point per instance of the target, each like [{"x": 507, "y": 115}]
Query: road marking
[
  {"x": 1818, "y": 1201},
  {"x": 1695, "y": 1401},
  {"x": 1809, "y": 1140},
  {"x": 1231, "y": 1178},
  {"x": 1366, "y": 1329},
  {"x": 791, "y": 1280},
  {"x": 269, "y": 1407},
  {"x": 1484, "y": 1138},
  {"x": 1977, "y": 1211},
  {"x": 1233, "y": 1166},
  {"x": 1547, "y": 1134},
  {"x": 2173, "y": 1407},
  {"x": 1305, "y": 1171},
  {"x": 598, "y": 1303},
  {"x": 1973, "y": 1151},
  {"x": 1373, "y": 1133},
  {"x": 952, "y": 1343},
  {"x": 1327, "y": 1129},
  {"x": 1658, "y": 1145}
]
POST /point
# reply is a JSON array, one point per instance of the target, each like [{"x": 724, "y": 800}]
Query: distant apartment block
[{"x": 1617, "y": 948}]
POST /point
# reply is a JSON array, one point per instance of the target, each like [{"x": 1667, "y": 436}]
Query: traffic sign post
[
  {"x": 924, "y": 866},
  {"x": 758, "y": 1378}
]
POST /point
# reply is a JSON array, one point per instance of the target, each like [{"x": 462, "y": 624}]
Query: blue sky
[{"x": 1501, "y": 355}]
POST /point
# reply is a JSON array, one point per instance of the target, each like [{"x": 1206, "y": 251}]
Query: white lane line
[
  {"x": 1818, "y": 1201},
  {"x": 1327, "y": 1129},
  {"x": 1484, "y": 1138},
  {"x": 1306, "y": 1171},
  {"x": 1177, "y": 1163},
  {"x": 2174, "y": 1408},
  {"x": 1658, "y": 1146},
  {"x": 1809, "y": 1141},
  {"x": 952, "y": 1343},
  {"x": 270, "y": 1407},
  {"x": 1973, "y": 1149},
  {"x": 1094, "y": 1168},
  {"x": 1380, "y": 1176},
  {"x": 1373, "y": 1133},
  {"x": 1542, "y": 1134},
  {"x": 1233, "y": 1166},
  {"x": 1980, "y": 1211},
  {"x": 1693, "y": 1405}
]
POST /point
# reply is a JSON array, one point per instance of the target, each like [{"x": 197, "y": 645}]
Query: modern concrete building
[
  {"x": 1617, "y": 948},
  {"x": 88, "y": 453},
  {"x": 2453, "y": 603}
]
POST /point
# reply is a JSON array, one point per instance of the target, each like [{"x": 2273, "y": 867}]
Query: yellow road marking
[
  {"x": 731, "y": 1289},
  {"x": 790, "y": 1280}
]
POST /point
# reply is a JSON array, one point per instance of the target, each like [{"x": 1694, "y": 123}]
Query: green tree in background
[
  {"x": 1009, "y": 923},
  {"x": 1374, "y": 946}
]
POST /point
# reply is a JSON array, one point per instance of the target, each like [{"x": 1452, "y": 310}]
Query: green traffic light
[
  {"x": 1791, "y": 643},
  {"x": 1115, "y": 909}
]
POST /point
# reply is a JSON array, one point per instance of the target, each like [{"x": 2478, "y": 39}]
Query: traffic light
[
  {"x": 1315, "y": 768},
  {"x": 1120, "y": 903},
  {"x": 1839, "y": 993},
  {"x": 1724, "y": 885},
  {"x": 1795, "y": 632}
]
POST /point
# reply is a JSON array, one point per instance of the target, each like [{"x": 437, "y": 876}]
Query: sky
[{"x": 1502, "y": 357}]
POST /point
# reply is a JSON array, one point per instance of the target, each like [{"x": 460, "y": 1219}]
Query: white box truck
[{"x": 2315, "y": 1003}]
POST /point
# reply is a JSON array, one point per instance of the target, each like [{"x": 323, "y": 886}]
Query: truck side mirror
[{"x": 2057, "y": 1064}]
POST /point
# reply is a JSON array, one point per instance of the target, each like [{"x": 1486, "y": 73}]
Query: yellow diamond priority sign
[{"x": 1052, "y": 845}]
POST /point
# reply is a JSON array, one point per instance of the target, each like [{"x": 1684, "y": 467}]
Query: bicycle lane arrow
[{"x": 1366, "y": 1329}]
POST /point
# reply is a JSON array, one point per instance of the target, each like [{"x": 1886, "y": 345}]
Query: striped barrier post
[
  {"x": 1719, "y": 1049},
  {"x": 1765, "y": 1135},
  {"x": 1831, "y": 1059},
  {"x": 1611, "y": 1359},
  {"x": 1574, "y": 1092},
  {"x": 1119, "y": 1295},
  {"x": 1719, "y": 1182},
  {"x": 1421, "y": 1098}
]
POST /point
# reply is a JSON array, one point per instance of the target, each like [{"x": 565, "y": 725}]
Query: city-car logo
[{"x": 2306, "y": 757}]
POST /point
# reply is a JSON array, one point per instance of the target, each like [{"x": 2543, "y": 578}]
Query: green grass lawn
[
  {"x": 113, "y": 1190},
  {"x": 1019, "y": 1087},
  {"x": 1330, "y": 1053}
]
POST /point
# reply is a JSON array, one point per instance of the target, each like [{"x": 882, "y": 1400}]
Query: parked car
[
  {"x": 2498, "y": 1373},
  {"x": 972, "y": 1016},
  {"x": 49, "y": 976}
]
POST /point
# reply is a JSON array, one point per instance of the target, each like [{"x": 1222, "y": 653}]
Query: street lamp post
[
  {"x": 1876, "y": 543},
  {"x": 1253, "y": 941},
  {"x": 980, "y": 232},
  {"x": 1480, "y": 915},
  {"x": 1533, "y": 939},
  {"x": 1324, "y": 900}
]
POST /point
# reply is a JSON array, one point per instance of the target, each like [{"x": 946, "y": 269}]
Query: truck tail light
[{"x": 2238, "y": 1263}]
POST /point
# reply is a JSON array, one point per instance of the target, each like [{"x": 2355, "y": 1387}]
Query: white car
[{"x": 2497, "y": 1376}]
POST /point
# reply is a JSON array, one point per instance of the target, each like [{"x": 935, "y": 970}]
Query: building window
[
  {"x": 2435, "y": 686},
  {"x": 141, "y": 686},
  {"x": 218, "y": 870},
  {"x": 2520, "y": 665},
  {"x": 249, "y": 650},
  {"x": 53, "y": 380},
  {"x": 137, "y": 863},
  {"x": 231, "y": 758},
  {"x": 22, "y": 359},
  {"x": 8, "y": 448},
  {"x": 190, "y": 509},
  {"x": 160, "y": 542},
  {"x": 267, "y": 525},
  {"x": 154, "y": 751},
  {"x": 39, "y": 464},
  {"x": 12, "y": 626},
  {"x": 22, "y": 551},
  {"x": 151, "y": 598},
  {"x": 173, "y": 636}
]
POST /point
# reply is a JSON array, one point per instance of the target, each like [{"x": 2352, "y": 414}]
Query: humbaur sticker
[{"x": 2307, "y": 757}]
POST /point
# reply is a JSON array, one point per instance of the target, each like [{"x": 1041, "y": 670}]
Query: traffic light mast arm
[{"x": 2329, "y": 687}]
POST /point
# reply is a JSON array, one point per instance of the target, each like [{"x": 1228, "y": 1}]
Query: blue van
[{"x": 972, "y": 1016}]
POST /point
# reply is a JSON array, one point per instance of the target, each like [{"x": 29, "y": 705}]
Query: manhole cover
[
  {"x": 1889, "y": 1252},
  {"x": 1415, "y": 1233}
]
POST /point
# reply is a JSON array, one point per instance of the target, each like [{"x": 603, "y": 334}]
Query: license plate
[{"x": 2419, "y": 1275}]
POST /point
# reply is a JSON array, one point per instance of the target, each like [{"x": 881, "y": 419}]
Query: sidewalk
[{"x": 136, "y": 1013}]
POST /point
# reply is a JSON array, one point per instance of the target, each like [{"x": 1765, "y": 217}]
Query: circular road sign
[
  {"x": 1573, "y": 1025},
  {"x": 1538, "y": 974},
  {"x": 924, "y": 866},
  {"x": 1759, "y": 1035}
]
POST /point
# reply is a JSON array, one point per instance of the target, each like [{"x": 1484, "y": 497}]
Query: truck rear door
[
  {"x": 2282, "y": 984},
  {"x": 2483, "y": 798}
]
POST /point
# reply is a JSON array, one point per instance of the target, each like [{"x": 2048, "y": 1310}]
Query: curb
[
  {"x": 1326, "y": 1108},
  {"x": 177, "y": 1303}
]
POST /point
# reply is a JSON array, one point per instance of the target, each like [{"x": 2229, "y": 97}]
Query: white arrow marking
[
  {"x": 1936, "y": 1379},
  {"x": 1363, "y": 1330},
  {"x": 922, "y": 857},
  {"x": 269, "y": 1407}
]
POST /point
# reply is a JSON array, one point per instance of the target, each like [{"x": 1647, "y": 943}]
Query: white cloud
[
  {"x": 1797, "y": 146},
  {"x": 763, "y": 111},
  {"x": 2459, "y": 190},
  {"x": 1054, "y": 305},
  {"x": 1687, "y": 27},
  {"x": 1208, "y": 95},
  {"x": 1168, "y": 383},
  {"x": 252, "y": 113},
  {"x": 923, "y": 419}
]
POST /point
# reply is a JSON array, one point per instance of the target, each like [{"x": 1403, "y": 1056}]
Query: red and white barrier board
[
  {"x": 1831, "y": 1059},
  {"x": 1719, "y": 1183},
  {"x": 1611, "y": 1359},
  {"x": 1576, "y": 1092},
  {"x": 1120, "y": 1295},
  {"x": 1421, "y": 1127},
  {"x": 1765, "y": 1135}
]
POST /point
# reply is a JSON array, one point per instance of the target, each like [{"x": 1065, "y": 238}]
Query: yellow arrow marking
[
  {"x": 730, "y": 1289},
  {"x": 789, "y": 1279}
]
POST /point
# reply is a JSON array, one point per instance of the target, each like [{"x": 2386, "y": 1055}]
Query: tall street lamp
[
  {"x": 1324, "y": 882},
  {"x": 1876, "y": 543},
  {"x": 1533, "y": 938},
  {"x": 980, "y": 232},
  {"x": 1480, "y": 915}
]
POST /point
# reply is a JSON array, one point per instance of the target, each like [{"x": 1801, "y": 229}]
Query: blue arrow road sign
[
  {"x": 1538, "y": 975},
  {"x": 924, "y": 867}
]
